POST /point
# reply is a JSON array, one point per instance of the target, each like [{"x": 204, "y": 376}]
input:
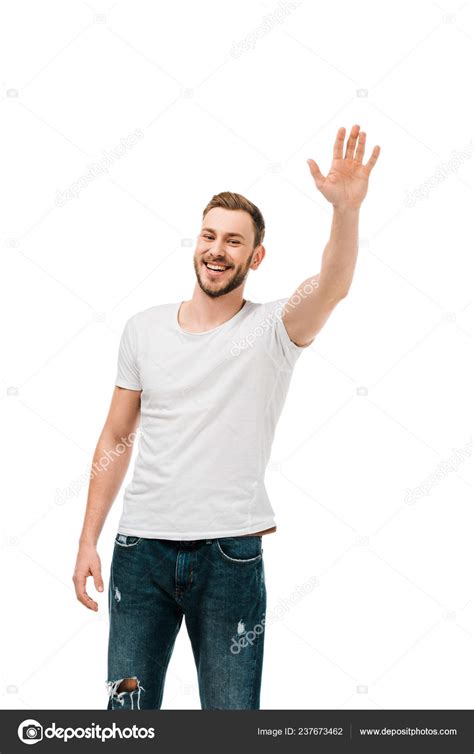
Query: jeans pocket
[
  {"x": 240, "y": 549},
  {"x": 127, "y": 540}
]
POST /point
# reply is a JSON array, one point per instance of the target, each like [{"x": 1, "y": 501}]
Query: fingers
[
  {"x": 87, "y": 601},
  {"x": 360, "y": 147},
  {"x": 339, "y": 143},
  {"x": 81, "y": 594},
  {"x": 355, "y": 137},
  {"x": 373, "y": 158},
  {"x": 351, "y": 142}
]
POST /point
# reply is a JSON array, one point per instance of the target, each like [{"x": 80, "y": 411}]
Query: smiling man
[{"x": 206, "y": 379}]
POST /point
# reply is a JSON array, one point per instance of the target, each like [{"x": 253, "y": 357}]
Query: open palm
[{"x": 346, "y": 184}]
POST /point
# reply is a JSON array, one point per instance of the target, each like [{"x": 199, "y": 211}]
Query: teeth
[{"x": 215, "y": 267}]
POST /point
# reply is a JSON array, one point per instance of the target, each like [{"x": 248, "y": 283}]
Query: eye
[{"x": 235, "y": 241}]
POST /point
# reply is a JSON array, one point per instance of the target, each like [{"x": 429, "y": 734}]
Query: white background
[{"x": 230, "y": 96}]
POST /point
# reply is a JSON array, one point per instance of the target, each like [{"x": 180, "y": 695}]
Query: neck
[{"x": 203, "y": 312}]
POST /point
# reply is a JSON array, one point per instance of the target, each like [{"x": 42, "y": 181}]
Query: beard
[{"x": 215, "y": 288}]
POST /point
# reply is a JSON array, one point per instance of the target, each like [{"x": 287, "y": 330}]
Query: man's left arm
[{"x": 345, "y": 187}]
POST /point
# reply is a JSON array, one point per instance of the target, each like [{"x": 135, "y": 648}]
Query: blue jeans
[{"x": 219, "y": 587}]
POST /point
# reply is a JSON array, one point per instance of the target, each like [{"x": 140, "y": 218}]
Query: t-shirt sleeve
[
  {"x": 128, "y": 374},
  {"x": 279, "y": 342}
]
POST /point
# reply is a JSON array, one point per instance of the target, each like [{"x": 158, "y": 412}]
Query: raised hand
[{"x": 346, "y": 184}]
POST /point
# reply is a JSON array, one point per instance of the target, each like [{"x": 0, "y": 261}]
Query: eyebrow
[{"x": 227, "y": 234}]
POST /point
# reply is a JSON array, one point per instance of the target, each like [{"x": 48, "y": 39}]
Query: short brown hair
[{"x": 230, "y": 200}]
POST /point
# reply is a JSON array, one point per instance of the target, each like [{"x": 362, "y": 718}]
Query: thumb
[
  {"x": 315, "y": 171},
  {"x": 98, "y": 583}
]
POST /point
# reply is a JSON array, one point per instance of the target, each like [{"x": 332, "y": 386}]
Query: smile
[{"x": 215, "y": 269}]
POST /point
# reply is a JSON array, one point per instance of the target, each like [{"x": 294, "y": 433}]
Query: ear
[{"x": 258, "y": 256}]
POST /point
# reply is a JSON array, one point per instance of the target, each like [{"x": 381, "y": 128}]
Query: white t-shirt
[{"x": 210, "y": 403}]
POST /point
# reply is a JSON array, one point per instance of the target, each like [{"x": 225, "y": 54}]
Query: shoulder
[
  {"x": 151, "y": 314},
  {"x": 270, "y": 309}
]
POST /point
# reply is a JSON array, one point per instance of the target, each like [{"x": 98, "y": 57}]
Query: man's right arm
[{"x": 109, "y": 467}]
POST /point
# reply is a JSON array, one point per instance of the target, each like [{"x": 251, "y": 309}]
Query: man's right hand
[{"x": 87, "y": 564}]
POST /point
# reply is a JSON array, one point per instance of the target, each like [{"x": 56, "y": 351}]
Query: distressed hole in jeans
[{"x": 118, "y": 690}]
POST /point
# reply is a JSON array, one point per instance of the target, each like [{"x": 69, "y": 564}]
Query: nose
[
  {"x": 217, "y": 258},
  {"x": 216, "y": 251}
]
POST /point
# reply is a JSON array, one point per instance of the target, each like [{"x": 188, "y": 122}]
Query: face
[{"x": 225, "y": 241}]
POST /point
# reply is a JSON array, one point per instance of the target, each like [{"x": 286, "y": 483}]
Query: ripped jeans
[{"x": 218, "y": 585}]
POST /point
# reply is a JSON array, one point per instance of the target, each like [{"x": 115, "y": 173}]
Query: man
[{"x": 207, "y": 379}]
